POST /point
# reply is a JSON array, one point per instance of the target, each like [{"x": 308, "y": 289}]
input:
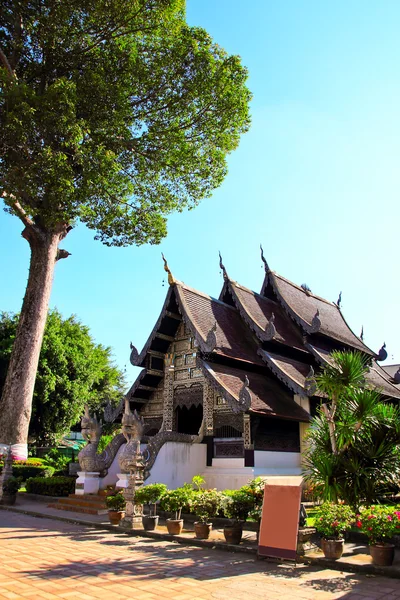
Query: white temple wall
[
  {"x": 111, "y": 477},
  {"x": 276, "y": 463},
  {"x": 177, "y": 463}
]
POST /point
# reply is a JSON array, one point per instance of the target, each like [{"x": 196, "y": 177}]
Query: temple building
[{"x": 227, "y": 385}]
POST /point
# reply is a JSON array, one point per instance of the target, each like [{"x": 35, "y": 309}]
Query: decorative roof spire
[
  {"x": 396, "y": 376},
  {"x": 171, "y": 278},
  {"x": 211, "y": 339},
  {"x": 134, "y": 355},
  {"x": 316, "y": 323},
  {"x": 245, "y": 396},
  {"x": 266, "y": 267},
  {"x": 382, "y": 354},
  {"x": 270, "y": 330},
  {"x": 362, "y": 333},
  {"x": 310, "y": 384},
  {"x": 339, "y": 300},
  {"x": 222, "y": 267}
]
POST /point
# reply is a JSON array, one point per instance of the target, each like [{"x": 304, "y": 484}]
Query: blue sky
[{"x": 316, "y": 180}]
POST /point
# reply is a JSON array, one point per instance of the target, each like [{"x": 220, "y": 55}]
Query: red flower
[
  {"x": 335, "y": 523},
  {"x": 369, "y": 528},
  {"x": 359, "y": 524},
  {"x": 371, "y": 516},
  {"x": 390, "y": 518}
]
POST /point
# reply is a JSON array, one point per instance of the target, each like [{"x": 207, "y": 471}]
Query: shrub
[
  {"x": 116, "y": 502},
  {"x": 206, "y": 504},
  {"x": 11, "y": 486},
  {"x": 237, "y": 504},
  {"x": 333, "y": 520},
  {"x": 58, "y": 461},
  {"x": 51, "y": 486},
  {"x": 378, "y": 523},
  {"x": 255, "y": 491},
  {"x": 27, "y": 471},
  {"x": 174, "y": 500},
  {"x": 150, "y": 494}
]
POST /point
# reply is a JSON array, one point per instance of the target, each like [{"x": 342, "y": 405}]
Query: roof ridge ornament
[
  {"x": 396, "y": 376},
  {"x": 270, "y": 330},
  {"x": 339, "y": 300},
  {"x": 134, "y": 355},
  {"x": 211, "y": 339},
  {"x": 310, "y": 384},
  {"x": 222, "y": 267},
  {"x": 316, "y": 323},
  {"x": 171, "y": 278},
  {"x": 362, "y": 333},
  {"x": 382, "y": 354},
  {"x": 245, "y": 396},
  {"x": 266, "y": 266}
]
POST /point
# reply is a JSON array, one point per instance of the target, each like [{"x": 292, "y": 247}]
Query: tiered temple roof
[{"x": 268, "y": 344}]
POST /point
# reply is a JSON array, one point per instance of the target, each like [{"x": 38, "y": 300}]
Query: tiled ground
[{"x": 40, "y": 559}]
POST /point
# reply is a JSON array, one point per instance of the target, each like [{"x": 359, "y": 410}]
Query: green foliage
[
  {"x": 11, "y": 486},
  {"x": 51, "y": 486},
  {"x": 378, "y": 523},
  {"x": 206, "y": 504},
  {"x": 118, "y": 114},
  {"x": 197, "y": 482},
  {"x": 365, "y": 461},
  {"x": 333, "y": 520},
  {"x": 150, "y": 494},
  {"x": 174, "y": 500},
  {"x": 24, "y": 472},
  {"x": 58, "y": 461},
  {"x": 116, "y": 502},
  {"x": 237, "y": 504},
  {"x": 255, "y": 491},
  {"x": 73, "y": 371},
  {"x": 104, "y": 441}
]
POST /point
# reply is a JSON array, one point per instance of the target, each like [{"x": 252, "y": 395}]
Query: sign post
[{"x": 280, "y": 518}]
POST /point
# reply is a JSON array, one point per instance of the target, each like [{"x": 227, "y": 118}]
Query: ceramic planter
[
  {"x": 202, "y": 530},
  {"x": 115, "y": 516},
  {"x": 233, "y": 533},
  {"x": 332, "y": 549},
  {"x": 174, "y": 526},
  {"x": 382, "y": 554},
  {"x": 149, "y": 523}
]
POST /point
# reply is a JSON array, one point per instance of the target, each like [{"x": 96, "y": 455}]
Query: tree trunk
[{"x": 16, "y": 400}]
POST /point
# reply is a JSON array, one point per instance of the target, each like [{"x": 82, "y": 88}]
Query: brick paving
[{"x": 45, "y": 559}]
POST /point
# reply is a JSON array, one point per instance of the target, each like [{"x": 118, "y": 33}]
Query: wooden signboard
[{"x": 280, "y": 518}]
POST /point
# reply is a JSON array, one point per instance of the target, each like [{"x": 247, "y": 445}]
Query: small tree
[
  {"x": 354, "y": 440},
  {"x": 112, "y": 114},
  {"x": 150, "y": 495}
]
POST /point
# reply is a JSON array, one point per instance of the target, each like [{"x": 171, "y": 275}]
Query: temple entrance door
[{"x": 188, "y": 420}]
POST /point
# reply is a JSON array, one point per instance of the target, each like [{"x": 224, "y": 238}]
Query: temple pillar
[
  {"x": 304, "y": 402},
  {"x": 208, "y": 407},
  {"x": 247, "y": 442},
  {"x": 168, "y": 409}
]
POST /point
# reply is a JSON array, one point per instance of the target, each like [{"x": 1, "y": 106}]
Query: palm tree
[{"x": 354, "y": 441}]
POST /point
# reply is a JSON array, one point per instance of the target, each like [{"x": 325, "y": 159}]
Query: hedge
[
  {"x": 51, "y": 486},
  {"x": 26, "y": 471}
]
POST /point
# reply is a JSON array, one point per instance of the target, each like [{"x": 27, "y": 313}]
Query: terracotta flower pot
[
  {"x": 382, "y": 554},
  {"x": 332, "y": 549},
  {"x": 149, "y": 523},
  {"x": 174, "y": 526},
  {"x": 233, "y": 533},
  {"x": 202, "y": 530},
  {"x": 115, "y": 516}
]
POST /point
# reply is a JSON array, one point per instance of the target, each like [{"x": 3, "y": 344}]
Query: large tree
[
  {"x": 73, "y": 371},
  {"x": 113, "y": 114}
]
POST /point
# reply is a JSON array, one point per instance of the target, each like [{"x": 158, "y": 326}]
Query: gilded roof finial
[
  {"x": 171, "y": 278},
  {"x": 222, "y": 267},
  {"x": 266, "y": 267}
]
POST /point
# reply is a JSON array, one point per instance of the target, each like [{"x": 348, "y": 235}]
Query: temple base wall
[{"x": 177, "y": 463}]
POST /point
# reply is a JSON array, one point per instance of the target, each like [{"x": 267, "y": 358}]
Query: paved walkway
[{"x": 45, "y": 559}]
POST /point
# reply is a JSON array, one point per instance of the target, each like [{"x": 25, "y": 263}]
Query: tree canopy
[
  {"x": 114, "y": 114},
  {"x": 73, "y": 371}
]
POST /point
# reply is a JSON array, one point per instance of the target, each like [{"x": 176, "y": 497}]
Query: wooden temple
[{"x": 236, "y": 374}]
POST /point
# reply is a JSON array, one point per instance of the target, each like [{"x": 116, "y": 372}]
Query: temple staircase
[{"x": 90, "y": 504}]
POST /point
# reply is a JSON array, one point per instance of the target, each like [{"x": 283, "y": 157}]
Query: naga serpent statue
[{"x": 88, "y": 458}]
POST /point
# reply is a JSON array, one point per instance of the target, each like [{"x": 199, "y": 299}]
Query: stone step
[
  {"x": 92, "y": 497},
  {"x": 85, "y": 503},
  {"x": 76, "y": 508}
]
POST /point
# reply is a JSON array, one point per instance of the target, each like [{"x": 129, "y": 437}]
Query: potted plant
[
  {"x": 206, "y": 504},
  {"x": 116, "y": 508},
  {"x": 379, "y": 524},
  {"x": 10, "y": 489},
  {"x": 255, "y": 490},
  {"x": 173, "y": 501},
  {"x": 331, "y": 523},
  {"x": 150, "y": 495},
  {"x": 236, "y": 505}
]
